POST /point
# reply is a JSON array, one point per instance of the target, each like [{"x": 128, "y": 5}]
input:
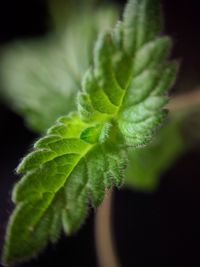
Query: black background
[{"x": 158, "y": 229}]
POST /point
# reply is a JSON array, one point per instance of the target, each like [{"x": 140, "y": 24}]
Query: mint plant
[{"x": 119, "y": 107}]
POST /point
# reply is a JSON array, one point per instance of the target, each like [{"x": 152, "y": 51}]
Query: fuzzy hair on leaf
[{"x": 121, "y": 104}]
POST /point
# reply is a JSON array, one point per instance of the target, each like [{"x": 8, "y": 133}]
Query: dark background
[{"x": 158, "y": 229}]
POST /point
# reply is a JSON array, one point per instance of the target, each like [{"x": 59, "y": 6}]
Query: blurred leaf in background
[
  {"x": 148, "y": 163},
  {"x": 40, "y": 77}
]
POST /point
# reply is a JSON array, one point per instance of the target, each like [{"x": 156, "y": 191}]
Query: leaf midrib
[{"x": 90, "y": 147}]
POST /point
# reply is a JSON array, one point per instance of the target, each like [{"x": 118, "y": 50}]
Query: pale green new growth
[
  {"x": 121, "y": 104},
  {"x": 61, "y": 176}
]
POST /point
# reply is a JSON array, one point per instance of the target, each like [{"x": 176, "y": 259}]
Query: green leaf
[
  {"x": 147, "y": 164},
  {"x": 121, "y": 104},
  {"x": 146, "y": 18},
  {"x": 136, "y": 102},
  {"x": 40, "y": 77},
  {"x": 61, "y": 176}
]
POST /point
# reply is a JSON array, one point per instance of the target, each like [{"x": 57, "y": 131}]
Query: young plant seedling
[{"x": 120, "y": 105}]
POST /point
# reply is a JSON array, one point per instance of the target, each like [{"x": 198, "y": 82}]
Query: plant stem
[
  {"x": 184, "y": 101},
  {"x": 103, "y": 230}
]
